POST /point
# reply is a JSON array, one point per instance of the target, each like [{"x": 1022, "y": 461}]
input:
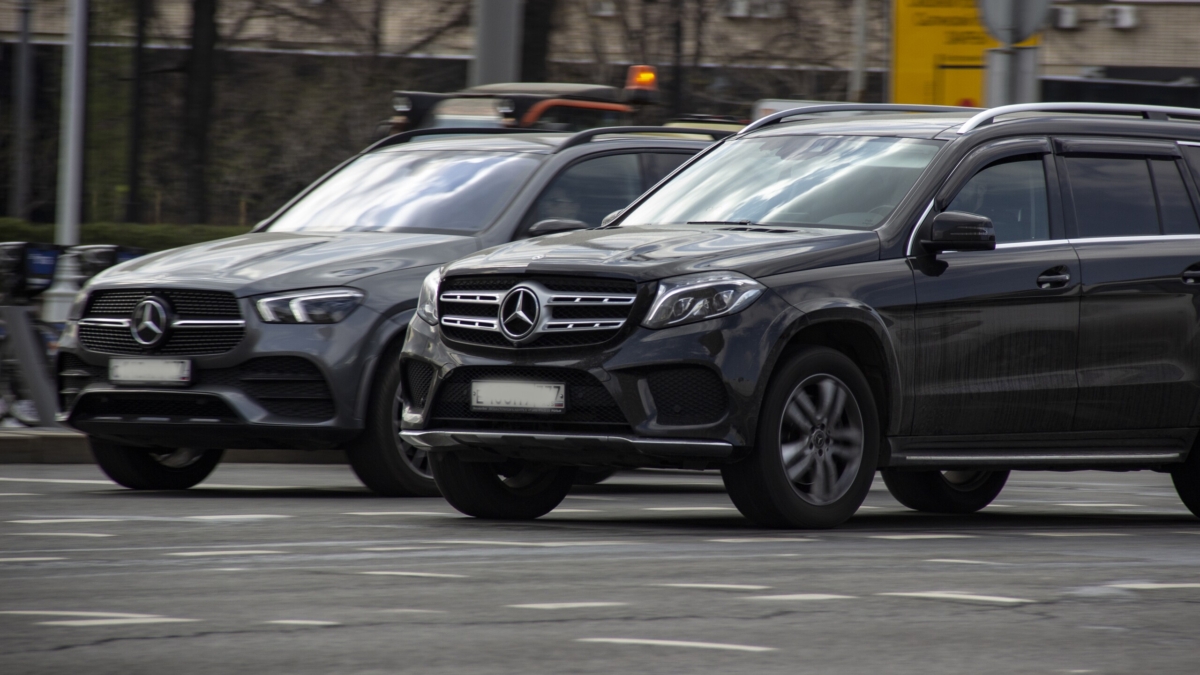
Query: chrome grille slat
[{"x": 206, "y": 322}]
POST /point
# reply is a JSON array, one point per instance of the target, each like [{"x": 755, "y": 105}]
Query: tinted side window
[
  {"x": 1192, "y": 154},
  {"x": 1013, "y": 194},
  {"x": 1178, "y": 215},
  {"x": 590, "y": 190},
  {"x": 1113, "y": 196},
  {"x": 656, "y": 165}
]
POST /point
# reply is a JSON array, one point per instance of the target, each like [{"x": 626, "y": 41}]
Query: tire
[
  {"x": 513, "y": 490},
  {"x": 593, "y": 475},
  {"x": 384, "y": 463},
  {"x": 154, "y": 469},
  {"x": 1186, "y": 478},
  {"x": 944, "y": 491},
  {"x": 832, "y": 449}
]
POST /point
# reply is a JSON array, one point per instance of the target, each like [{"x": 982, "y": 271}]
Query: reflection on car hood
[
  {"x": 273, "y": 261},
  {"x": 647, "y": 253}
]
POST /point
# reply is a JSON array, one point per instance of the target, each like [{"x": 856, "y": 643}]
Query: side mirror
[
  {"x": 959, "y": 231},
  {"x": 611, "y": 217},
  {"x": 554, "y": 225}
]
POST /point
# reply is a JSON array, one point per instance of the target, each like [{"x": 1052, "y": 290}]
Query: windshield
[
  {"x": 411, "y": 190},
  {"x": 832, "y": 181}
]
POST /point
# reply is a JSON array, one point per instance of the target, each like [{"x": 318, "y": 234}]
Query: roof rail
[
  {"x": 852, "y": 107},
  {"x": 589, "y": 134},
  {"x": 1149, "y": 112},
  {"x": 406, "y": 136}
]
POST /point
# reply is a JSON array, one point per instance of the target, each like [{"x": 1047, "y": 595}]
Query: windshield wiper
[{"x": 720, "y": 222}]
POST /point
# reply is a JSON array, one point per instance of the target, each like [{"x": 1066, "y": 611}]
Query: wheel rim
[
  {"x": 415, "y": 459},
  {"x": 821, "y": 439},
  {"x": 965, "y": 481},
  {"x": 178, "y": 459}
]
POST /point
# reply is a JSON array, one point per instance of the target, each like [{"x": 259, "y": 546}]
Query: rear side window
[
  {"x": 1113, "y": 196},
  {"x": 1013, "y": 194},
  {"x": 1178, "y": 214},
  {"x": 656, "y": 165}
]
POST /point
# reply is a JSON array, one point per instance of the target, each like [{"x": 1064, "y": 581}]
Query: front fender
[{"x": 386, "y": 333}]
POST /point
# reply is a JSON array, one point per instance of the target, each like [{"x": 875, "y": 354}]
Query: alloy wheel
[{"x": 821, "y": 439}]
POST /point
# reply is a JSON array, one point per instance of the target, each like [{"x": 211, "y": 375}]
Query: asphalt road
[{"x": 296, "y": 569}]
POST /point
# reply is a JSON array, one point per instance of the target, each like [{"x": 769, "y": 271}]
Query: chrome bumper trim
[{"x": 661, "y": 447}]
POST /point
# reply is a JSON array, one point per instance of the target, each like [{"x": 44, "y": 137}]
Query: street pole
[
  {"x": 497, "y": 41},
  {"x": 18, "y": 203},
  {"x": 856, "y": 90},
  {"x": 677, "y": 90},
  {"x": 56, "y": 301}
]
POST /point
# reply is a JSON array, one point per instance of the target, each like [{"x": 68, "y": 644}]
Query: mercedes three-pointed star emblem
[
  {"x": 149, "y": 325},
  {"x": 519, "y": 313}
]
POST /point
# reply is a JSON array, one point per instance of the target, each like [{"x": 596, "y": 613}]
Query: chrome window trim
[
  {"x": 1195, "y": 143},
  {"x": 912, "y": 238},
  {"x": 1033, "y": 243},
  {"x": 1150, "y": 237}
]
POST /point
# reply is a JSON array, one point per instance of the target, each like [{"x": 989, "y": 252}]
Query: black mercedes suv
[
  {"x": 289, "y": 336},
  {"x": 942, "y": 294}
]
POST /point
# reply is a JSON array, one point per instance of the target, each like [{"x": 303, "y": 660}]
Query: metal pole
[
  {"x": 677, "y": 89},
  {"x": 18, "y": 204},
  {"x": 70, "y": 158},
  {"x": 497, "y": 41},
  {"x": 858, "y": 76}
]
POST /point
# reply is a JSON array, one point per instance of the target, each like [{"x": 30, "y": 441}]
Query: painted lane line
[
  {"x": 96, "y": 615},
  {"x": 718, "y": 587},
  {"x": 761, "y": 540},
  {"x": 401, "y": 548},
  {"x": 576, "y": 511},
  {"x": 226, "y": 569},
  {"x": 1075, "y": 534},
  {"x": 531, "y": 544},
  {"x": 303, "y": 622},
  {"x": 58, "y": 534},
  {"x": 10, "y": 560},
  {"x": 802, "y": 596},
  {"x": 83, "y": 623},
  {"x": 413, "y": 611},
  {"x": 1153, "y": 587},
  {"x": 398, "y": 513},
  {"x": 568, "y": 605},
  {"x": 20, "y": 494},
  {"x": 235, "y": 517},
  {"x": 953, "y": 595},
  {"x": 1084, "y": 505},
  {"x": 907, "y": 537},
  {"x": 68, "y": 481},
  {"x": 197, "y": 554},
  {"x": 870, "y": 508},
  {"x": 53, "y": 521},
  {"x": 595, "y": 499},
  {"x": 678, "y": 643},
  {"x": 689, "y": 508},
  {"x": 959, "y": 561},
  {"x": 430, "y": 575}
]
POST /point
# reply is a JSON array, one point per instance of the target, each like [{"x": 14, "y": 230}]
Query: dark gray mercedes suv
[
  {"x": 944, "y": 294},
  {"x": 289, "y": 336}
]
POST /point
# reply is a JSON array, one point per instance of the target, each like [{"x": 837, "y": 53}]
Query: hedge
[{"x": 151, "y": 237}]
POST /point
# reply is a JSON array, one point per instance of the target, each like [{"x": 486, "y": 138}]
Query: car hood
[
  {"x": 656, "y": 252},
  {"x": 273, "y": 261}
]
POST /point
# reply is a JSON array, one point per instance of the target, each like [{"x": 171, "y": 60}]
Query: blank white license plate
[
  {"x": 507, "y": 396},
  {"x": 150, "y": 371}
]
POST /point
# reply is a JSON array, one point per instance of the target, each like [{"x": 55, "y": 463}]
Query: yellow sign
[{"x": 937, "y": 52}]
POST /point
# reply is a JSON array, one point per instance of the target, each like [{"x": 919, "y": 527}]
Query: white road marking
[
  {"x": 594, "y": 499},
  {"x": 531, "y": 544},
  {"x": 869, "y": 508},
  {"x": 678, "y": 643},
  {"x": 397, "y": 513},
  {"x": 58, "y": 534},
  {"x": 953, "y": 595},
  {"x": 303, "y": 622},
  {"x": 718, "y": 587},
  {"x": 802, "y": 596},
  {"x": 1000, "y": 506},
  {"x": 100, "y": 615},
  {"x": 227, "y": 569},
  {"x": 1076, "y": 534},
  {"x": 1152, "y": 587},
  {"x": 576, "y": 511},
  {"x": 53, "y": 521},
  {"x": 401, "y": 548},
  {"x": 905, "y": 537},
  {"x": 959, "y": 561},
  {"x": 431, "y": 575},
  {"x": 20, "y": 494},
  {"x": 760, "y": 540},
  {"x": 4, "y": 560},
  {"x": 247, "y": 516},
  {"x": 568, "y": 605},
  {"x": 1188, "y": 532},
  {"x": 1084, "y": 505},
  {"x": 82, "y": 623},
  {"x": 689, "y": 508},
  {"x": 197, "y": 554},
  {"x": 413, "y": 611},
  {"x": 57, "y": 480}
]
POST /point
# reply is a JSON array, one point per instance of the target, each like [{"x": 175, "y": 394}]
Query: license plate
[
  {"x": 507, "y": 396},
  {"x": 150, "y": 371}
]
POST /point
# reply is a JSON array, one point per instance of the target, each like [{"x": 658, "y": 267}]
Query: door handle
[
  {"x": 1055, "y": 278},
  {"x": 1191, "y": 276}
]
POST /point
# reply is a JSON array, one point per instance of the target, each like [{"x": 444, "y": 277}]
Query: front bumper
[{"x": 644, "y": 429}]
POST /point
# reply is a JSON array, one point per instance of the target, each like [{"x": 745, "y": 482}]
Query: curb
[{"x": 63, "y": 446}]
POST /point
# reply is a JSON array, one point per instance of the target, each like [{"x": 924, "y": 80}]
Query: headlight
[
  {"x": 427, "y": 303},
  {"x": 696, "y": 297},
  {"x": 329, "y": 305},
  {"x": 77, "y": 306}
]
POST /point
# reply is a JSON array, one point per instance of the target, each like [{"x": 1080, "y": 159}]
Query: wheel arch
[{"x": 390, "y": 333}]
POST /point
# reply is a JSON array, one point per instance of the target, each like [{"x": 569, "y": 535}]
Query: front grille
[
  {"x": 418, "y": 375},
  {"x": 172, "y": 406},
  {"x": 575, "y": 311},
  {"x": 687, "y": 395},
  {"x": 184, "y": 304},
  {"x": 589, "y": 406},
  {"x": 288, "y": 386}
]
